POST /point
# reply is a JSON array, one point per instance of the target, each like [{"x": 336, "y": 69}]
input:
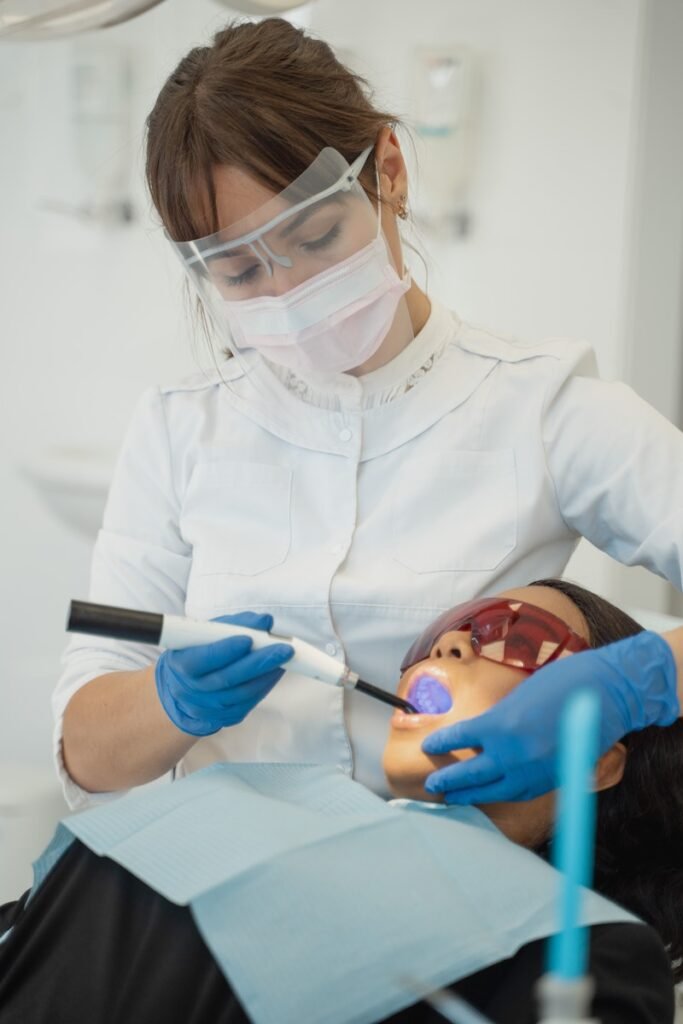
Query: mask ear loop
[
  {"x": 379, "y": 202},
  {"x": 405, "y": 273}
]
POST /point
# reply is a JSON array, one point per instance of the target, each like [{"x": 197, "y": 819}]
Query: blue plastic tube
[{"x": 575, "y": 830}]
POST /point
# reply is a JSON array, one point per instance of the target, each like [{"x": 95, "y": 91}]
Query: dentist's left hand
[
  {"x": 203, "y": 689},
  {"x": 635, "y": 679}
]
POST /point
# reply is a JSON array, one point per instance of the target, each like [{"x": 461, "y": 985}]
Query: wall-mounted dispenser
[
  {"x": 98, "y": 129},
  {"x": 101, "y": 98},
  {"x": 444, "y": 97}
]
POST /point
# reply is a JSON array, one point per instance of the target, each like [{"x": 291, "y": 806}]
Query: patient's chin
[
  {"x": 525, "y": 822},
  {"x": 406, "y": 770},
  {"x": 412, "y": 788}
]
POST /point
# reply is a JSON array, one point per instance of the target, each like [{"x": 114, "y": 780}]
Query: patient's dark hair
[{"x": 639, "y": 829}]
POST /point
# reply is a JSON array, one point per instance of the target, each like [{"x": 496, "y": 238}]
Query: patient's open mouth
[{"x": 429, "y": 695}]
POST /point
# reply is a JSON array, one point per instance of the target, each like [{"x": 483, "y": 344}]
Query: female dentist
[{"x": 363, "y": 460}]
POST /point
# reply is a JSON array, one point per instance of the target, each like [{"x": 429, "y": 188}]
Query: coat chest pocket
[
  {"x": 237, "y": 516},
  {"x": 456, "y": 511}
]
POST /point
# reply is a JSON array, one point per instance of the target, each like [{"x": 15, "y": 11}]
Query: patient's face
[{"x": 474, "y": 684}]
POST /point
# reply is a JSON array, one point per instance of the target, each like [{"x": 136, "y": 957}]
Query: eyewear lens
[{"x": 510, "y": 633}]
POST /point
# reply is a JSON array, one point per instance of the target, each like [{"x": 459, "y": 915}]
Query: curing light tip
[{"x": 386, "y": 697}]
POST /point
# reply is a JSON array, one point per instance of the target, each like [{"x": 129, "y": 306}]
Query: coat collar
[{"x": 340, "y": 423}]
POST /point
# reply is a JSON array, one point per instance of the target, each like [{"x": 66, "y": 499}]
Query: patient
[
  {"x": 639, "y": 835},
  {"x": 95, "y": 943}
]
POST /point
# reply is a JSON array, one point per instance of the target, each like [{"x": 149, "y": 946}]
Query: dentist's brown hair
[{"x": 264, "y": 97}]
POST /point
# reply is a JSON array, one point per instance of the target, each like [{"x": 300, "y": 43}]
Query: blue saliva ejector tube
[{"x": 565, "y": 993}]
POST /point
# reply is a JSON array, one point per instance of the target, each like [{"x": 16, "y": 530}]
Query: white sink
[
  {"x": 31, "y": 804},
  {"x": 73, "y": 483}
]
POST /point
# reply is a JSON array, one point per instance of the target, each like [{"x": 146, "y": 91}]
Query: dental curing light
[
  {"x": 566, "y": 991},
  {"x": 175, "y": 631}
]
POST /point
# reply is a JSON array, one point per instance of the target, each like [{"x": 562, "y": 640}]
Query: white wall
[
  {"x": 576, "y": 201},
  {"x": 90, "y": 317},
  {"x": 557, "y": 83},
  {"x": 652, "y": 311}
]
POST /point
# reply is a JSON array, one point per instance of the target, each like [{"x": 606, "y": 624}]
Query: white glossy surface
[
  {"x": 45, "y": 19},
  {"x": 73, "y": 483},
  {"x": 264, "y": 7},
  {"x": 31, "y": 804}
]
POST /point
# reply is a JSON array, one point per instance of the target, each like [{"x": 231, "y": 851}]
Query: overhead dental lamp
[
  {"x": 261, "y": 6},
  {"x": 50, "y": 19}
]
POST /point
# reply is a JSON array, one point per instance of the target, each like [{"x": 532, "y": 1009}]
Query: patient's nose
[{"x": 455, "y": 644}]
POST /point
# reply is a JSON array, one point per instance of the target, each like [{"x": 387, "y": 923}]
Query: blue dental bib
[{"x": 315, "y": 896}]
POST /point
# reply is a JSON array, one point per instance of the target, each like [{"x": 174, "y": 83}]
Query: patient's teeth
[{"x": 429, "y": 695}]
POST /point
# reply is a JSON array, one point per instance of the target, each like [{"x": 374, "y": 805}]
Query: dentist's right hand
[{"x": 204, "y": 688}]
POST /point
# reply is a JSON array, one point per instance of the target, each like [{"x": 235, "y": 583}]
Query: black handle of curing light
[
  {"x": 118, "y": 623},
  {"x": 146, "y": 628}
]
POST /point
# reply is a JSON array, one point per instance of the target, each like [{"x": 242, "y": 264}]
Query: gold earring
[{"x": 402, "y": 208}]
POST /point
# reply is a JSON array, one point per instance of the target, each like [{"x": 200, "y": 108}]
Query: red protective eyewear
[{"x": 508, "y": 632}]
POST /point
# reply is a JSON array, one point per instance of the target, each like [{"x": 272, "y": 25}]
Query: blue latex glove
[
  {"x": 635, "y": 679},
  {"x": 204, "y": 688}
]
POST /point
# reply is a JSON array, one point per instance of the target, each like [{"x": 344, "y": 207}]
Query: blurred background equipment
[
  {"x": 264, "y": 7},
  {"x": 45, "y": 19},
  {"x": 49, "y": 19},
  {"x": 445, "y": 105}
]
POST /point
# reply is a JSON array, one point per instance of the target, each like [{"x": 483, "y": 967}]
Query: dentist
[{"x": 360, "y": 459}]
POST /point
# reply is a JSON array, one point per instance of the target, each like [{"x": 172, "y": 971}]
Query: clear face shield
[{"x": 307, "y": 280}]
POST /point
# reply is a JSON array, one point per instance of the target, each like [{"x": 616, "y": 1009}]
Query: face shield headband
[
  {"x": 256, "y": 240},
  {"x": 508, "y": 632},
  {"x": 307, "y": 279}
]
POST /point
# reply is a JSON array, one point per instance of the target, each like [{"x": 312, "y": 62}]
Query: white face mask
[{"x": 331, "y": 323}]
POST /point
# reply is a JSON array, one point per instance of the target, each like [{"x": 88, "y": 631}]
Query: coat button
[
  {"x": 331, "y": 648},
  {"x": 345, "y": 434}
]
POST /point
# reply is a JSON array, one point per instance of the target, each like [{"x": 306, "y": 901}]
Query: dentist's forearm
[
  {"x": 674, "y": 638},
  {"x": 117, "y": 734}
]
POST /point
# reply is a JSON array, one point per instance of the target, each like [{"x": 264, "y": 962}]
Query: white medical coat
[{"x": 355, "y": 520}]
